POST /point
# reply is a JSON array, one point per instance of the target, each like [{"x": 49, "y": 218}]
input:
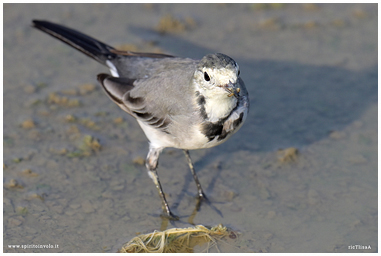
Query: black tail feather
[{"x": 93, "y": 48}]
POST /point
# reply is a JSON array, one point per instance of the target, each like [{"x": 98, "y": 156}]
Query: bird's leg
[
  {"x": 201, "y": 194},
  {"x": 151, "y": 164}
]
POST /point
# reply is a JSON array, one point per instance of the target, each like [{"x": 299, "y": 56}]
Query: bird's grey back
[{"x": 136, "y": 67}]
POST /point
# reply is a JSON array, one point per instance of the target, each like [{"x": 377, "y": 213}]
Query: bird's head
[{"x": 217, "y": 75}]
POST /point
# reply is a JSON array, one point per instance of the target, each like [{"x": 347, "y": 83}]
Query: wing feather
[{"x": 118, "y": 89}]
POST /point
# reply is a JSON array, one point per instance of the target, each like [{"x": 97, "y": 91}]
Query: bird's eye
[{"x": 206, "y": 77}]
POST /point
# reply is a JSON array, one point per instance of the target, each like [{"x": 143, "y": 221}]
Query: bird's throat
[{"x": 217, "y": 108}]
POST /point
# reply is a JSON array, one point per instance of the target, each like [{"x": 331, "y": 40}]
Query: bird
[{"x": 178, "y": 102}]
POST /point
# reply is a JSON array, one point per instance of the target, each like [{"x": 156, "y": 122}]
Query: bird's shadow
[{"x": 291, "y": 104}]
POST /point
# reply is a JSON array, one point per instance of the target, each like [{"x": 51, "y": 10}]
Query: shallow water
[{"x": 311, "y": 72}]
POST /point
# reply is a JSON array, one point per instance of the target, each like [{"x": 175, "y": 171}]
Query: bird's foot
[{"x": 169, "y": 215}]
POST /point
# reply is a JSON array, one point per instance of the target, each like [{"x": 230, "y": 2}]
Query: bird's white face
[{"x": 218, "y": 81}]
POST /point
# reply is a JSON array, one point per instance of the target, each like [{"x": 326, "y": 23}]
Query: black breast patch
[{"x": 211, "y": 130}]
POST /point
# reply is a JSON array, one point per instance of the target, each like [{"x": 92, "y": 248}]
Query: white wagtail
[{"x": 178, "y": 102}]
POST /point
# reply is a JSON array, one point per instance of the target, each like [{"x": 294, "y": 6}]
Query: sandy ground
[{"x": 311, "y": 72}]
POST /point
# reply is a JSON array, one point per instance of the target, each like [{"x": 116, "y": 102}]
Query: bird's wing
[{"x": 157, "y": 101}]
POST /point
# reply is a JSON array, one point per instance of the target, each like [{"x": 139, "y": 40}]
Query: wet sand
[{"x": 73, "y": 174}]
